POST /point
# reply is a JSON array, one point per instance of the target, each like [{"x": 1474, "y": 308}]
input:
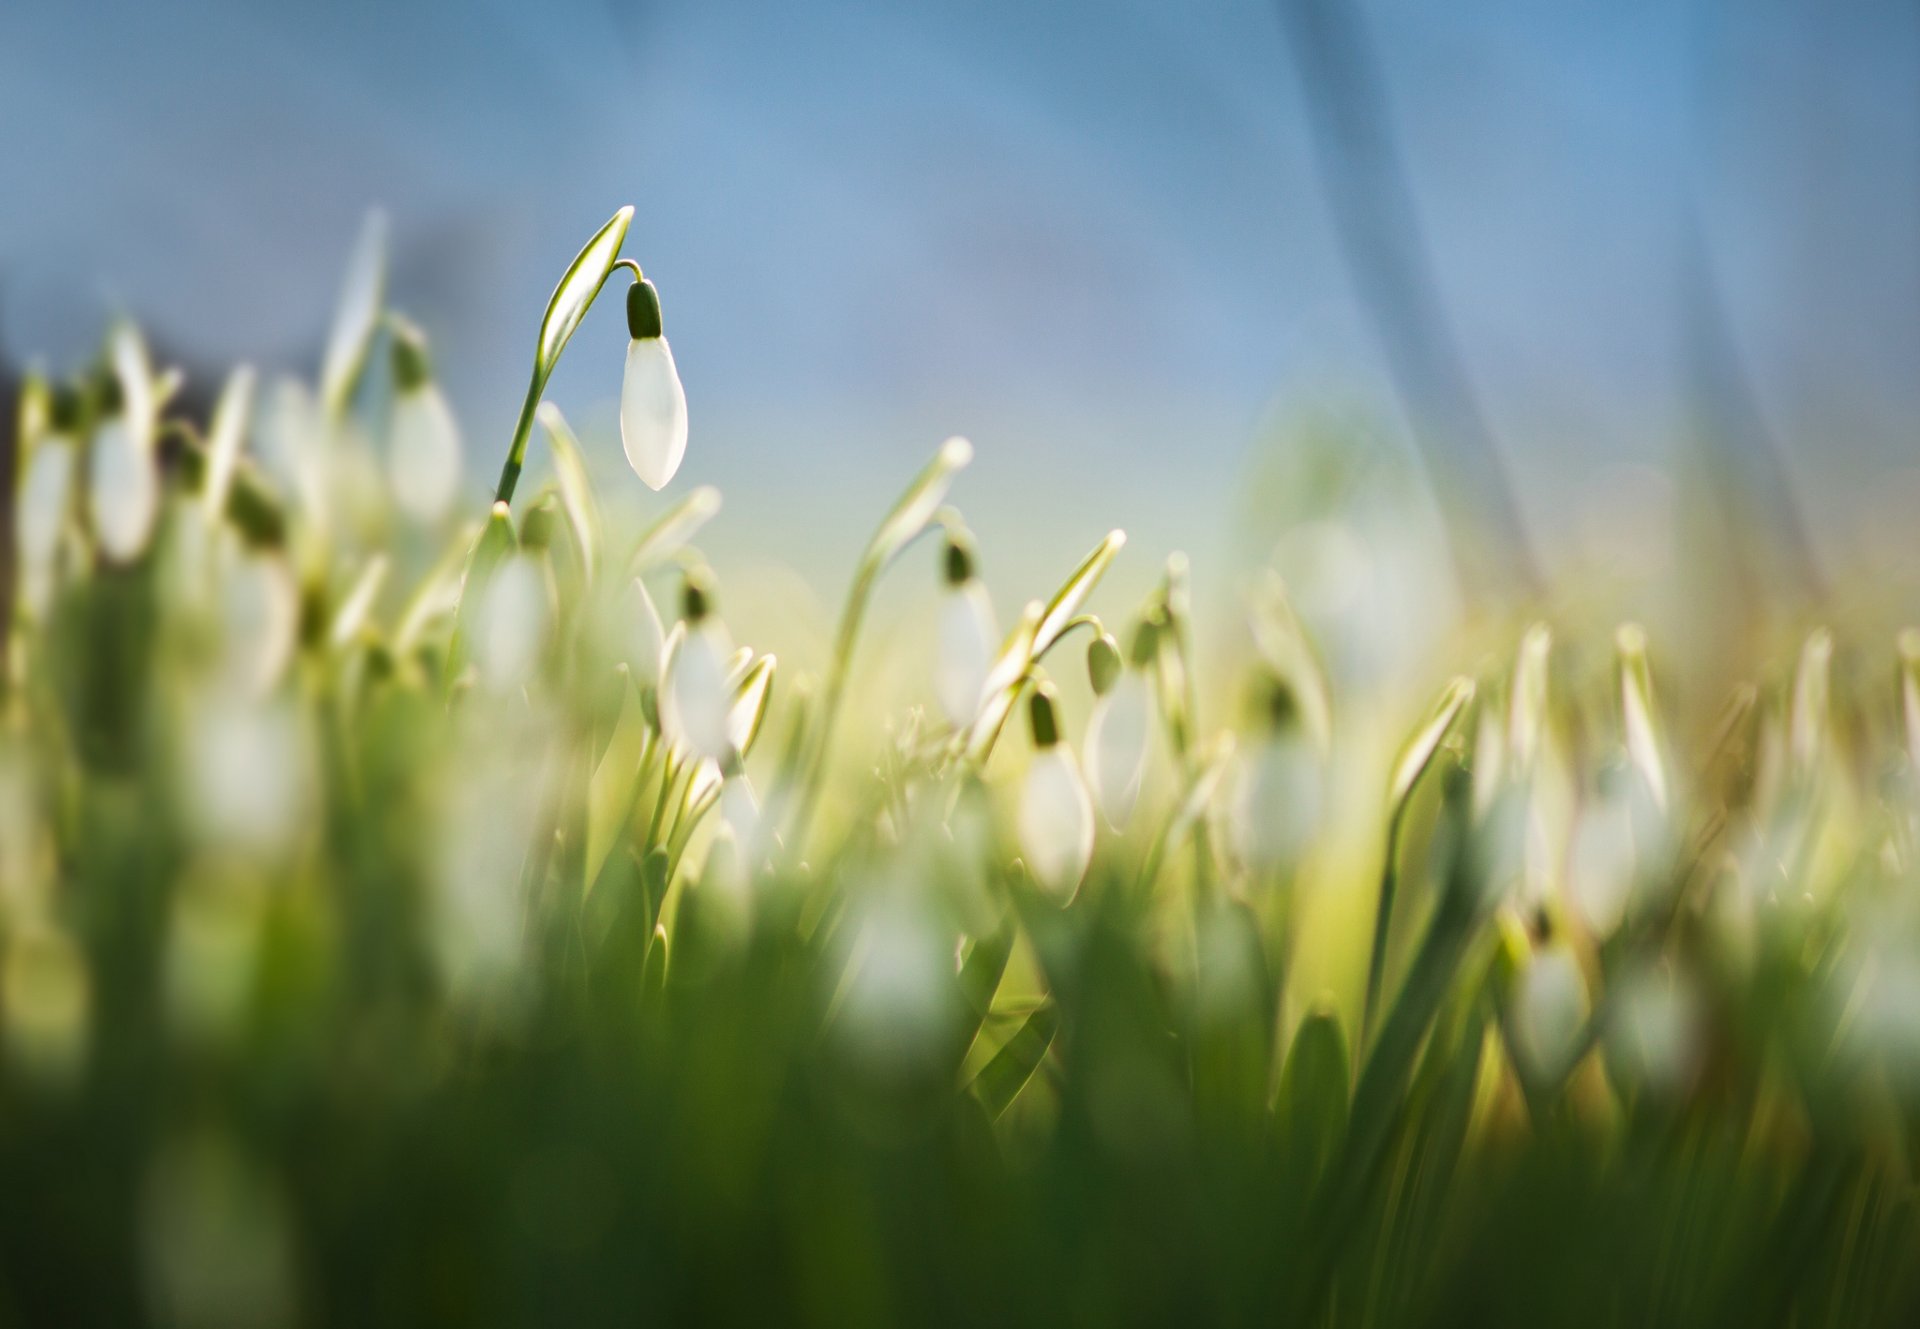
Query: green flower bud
[
  {"x": 643, "y": 311},
  {"x": 1103, "y": 664},
  {"x": 1041, "y": 712}
]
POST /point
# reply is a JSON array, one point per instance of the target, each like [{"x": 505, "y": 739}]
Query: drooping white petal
[
  {"x": 1056, "y": 822},
  {"x": 512, "y": 625},
  {"x": 646, "y": 641},
  {"x": 695, "y": 696},
  {"x": 247, "y": 772},
  {"x": 45, "y": 493},
  {"x": 653, "y": 412},
  {"x": 125, "y": 491},
  {"x": 1117, "y": 745},
  {"x": 1550, "y": 1007},
  {"x": 1601, "y": 865},
  {"x": 423, "y": 456},
  {"x": 968, "y": 639},
  {"x": 1278, "y": 806}
]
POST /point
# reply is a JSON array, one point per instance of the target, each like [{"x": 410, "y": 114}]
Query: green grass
[{"x": 377, "y": 944}]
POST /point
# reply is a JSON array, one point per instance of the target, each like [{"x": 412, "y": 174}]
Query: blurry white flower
[
  {"x": 423, "y": 448},
  {"x": 1277, "y": 798},
  {"x": 900, "y": 987},
  {"x": 1550, "y": 1009},
  {"x": 124, "y": 482},
  {"x": 968, "y": 638},
  {"x": 1055, "y": 821},
  {"x": 45, "y": 495},
  {"x": 696, "y": 695},
  {"x": 1600, "y": 863},
  {"x": 1116, "y": 744},
  {"x": 124, "y": 490},
  {"x": 1653, "y": 1031},
  {"x": 646, "y": 640},
  {"x": 249, "y": 772},
  {"x": 653, "y": 405},
  {"x": 512, "y": 624}
]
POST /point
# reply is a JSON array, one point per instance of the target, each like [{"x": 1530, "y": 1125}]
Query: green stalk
[{"x": 522, "y": 431}]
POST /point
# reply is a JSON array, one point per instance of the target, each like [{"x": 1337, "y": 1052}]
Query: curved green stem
[{"x": 522, "y": 430}]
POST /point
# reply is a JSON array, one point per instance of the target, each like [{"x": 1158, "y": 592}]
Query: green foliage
[{"x": 431, "y": 933}]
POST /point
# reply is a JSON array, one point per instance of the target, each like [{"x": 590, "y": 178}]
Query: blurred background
[{"x": 1123, "y": 247}]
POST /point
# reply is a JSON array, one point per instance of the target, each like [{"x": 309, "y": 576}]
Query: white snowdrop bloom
[
  {"x": 696, "y": 694},
  {"x": 1277, "y": 802},
  {"x": 1055, "y": 822},
  {"x": 1116, "y": 745},
  {"x": 485, "y": 831},
  {"x": 512, "y": 625},
  {"x": 653, "y": 405},
  {"x": 45, "y": 495},
  {"x": 1550, "y": 1008},
  {"x": 1600, "y": 863},
  {"x": 124, "y": 490},
  {"x": 423, "y": 457},
  {"x": 645, "y": 639},
  {"x": 1654, "y": 1029},
  {"x": 900, "y": 988},
  {"x": 1276, "y": 799},
  {"x": 249, "y": 773},
  {"x": 968, "y": 638}
]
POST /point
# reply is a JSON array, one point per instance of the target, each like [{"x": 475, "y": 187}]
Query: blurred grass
[{"x": 372, "y": 949}]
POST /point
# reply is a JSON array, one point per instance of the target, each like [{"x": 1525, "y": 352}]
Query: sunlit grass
[{"x": 408, "y": 912}]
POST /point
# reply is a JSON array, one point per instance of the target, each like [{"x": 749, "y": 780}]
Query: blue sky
[{"x": 1088, "y": 234}]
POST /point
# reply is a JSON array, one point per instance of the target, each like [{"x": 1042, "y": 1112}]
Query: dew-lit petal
[
  {"x": 1056, "y": 821},
  {"x": 646, "y": 640},
  {"x": 45, "y": 494},
  {"x": 967, "y": 643},
  {"x": 653, "y": 412},
  {"x": 1277, "y": 807},
  {"x": 423, "y": 457},
  {"x": 696, "y": 695},
  {"x": 125, "y": 491},
  {"x": 513, "y": 623},
  {"x": 1117, "y": 736}
]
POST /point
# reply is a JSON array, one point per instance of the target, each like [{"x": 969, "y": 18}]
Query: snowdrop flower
[
  {"x": 513, "y": 622},
  {"x": 646, "y": 639},
  {"x": 653, "y": 406},
  {"x": 1056, "y": 814},
  {"x": 967, "y": 637},
  {"x": 125, "y": 484},
  {"x": 1277, "y": 803},
  {"x": 695, "y": 693},
  {"x": 1121, "y": 725},
  {"x": 423, "y": 454},
  {"x": 45, "y": 495},
  {"x": 1550, "y": 1007}
]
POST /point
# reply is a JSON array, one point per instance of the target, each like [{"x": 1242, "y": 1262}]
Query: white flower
[
  {"x": 1601, "y": 863},
  {"x": 1056, "y": 816},
  {"x": 968, "y": 639},
  {"x": 645, "y": 639},
  {"x": 695, "y": 694},
  {"x": 653, "y": 405},
  {"x": 44, "y": 495},
  {"x": 423, "y": 457},
  {"x": 1056, "y": 822},
  {"x": 125, "y": 490},
  {"x": 512, "y": 624},
  {"x": 1277, "y": 803},
  {"x": 1550, "y": 1008},
  {"x": 1117, "y": 737}
]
